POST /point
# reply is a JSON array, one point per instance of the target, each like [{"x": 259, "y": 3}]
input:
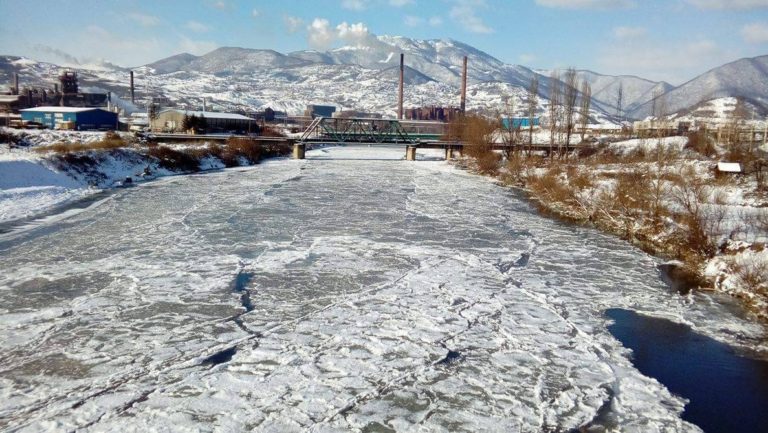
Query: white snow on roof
[
  {"x": 729, "y": 167},
  {"x": 61, "y": 109},
  {"x": 214, "y": 115}
]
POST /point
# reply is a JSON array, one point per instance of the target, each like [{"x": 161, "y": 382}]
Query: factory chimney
[
  {"x": 464, "y": 86},
  {"x": 400, "y": 89},
  {"x": 16, "y": 83},
  {"x": 133, "y": 99}
]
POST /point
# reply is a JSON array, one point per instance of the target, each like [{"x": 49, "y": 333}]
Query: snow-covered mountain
[
  {"x": 635, "y": 91},
  {"x": 746, "y": 79},
  {"x": 364, "y": 74}
]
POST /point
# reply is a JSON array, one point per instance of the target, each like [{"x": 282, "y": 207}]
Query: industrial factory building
[
  {"x": 79, "y": 118},
  {"x": 319, "y": 111},
  {"x": 172, "y": 120}
]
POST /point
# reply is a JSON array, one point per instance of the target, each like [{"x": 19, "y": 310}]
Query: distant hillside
[
  {"x": 364, "y": 75},
  {"x": 745, "y": 78}
]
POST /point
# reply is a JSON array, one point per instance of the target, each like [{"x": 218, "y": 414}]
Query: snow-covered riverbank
[
  {"x": 34, "y": 182},
  {"x": 663, "y": 196}
]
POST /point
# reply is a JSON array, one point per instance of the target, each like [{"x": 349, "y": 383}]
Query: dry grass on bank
[{"x": 110, "y": 141}]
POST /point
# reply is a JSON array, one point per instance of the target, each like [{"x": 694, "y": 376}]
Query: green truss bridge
[{"x": 371, "y": 131}]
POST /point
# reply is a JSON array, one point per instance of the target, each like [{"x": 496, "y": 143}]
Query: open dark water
[{"x": 728, "y": 391}]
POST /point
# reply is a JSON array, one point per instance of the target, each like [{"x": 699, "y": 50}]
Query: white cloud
[
  {"x": 255, "y": 13},
  {"x": 352, "y": 32},
  {"x": 464, "y": 12},
  {"x": 755, "y": 33},
  {"x": 144, "y": 19},
  {"x": 435, "y": 21},
  {"x": 319, "y": 34},
  {"x": 413, "y": 21},
  {"x": 196, "y": 26},
  {"x": 220, "y": 5},
  {"x": 623, "y": 32},
  {"x": 586, "y": 4},
  {"x": 355, "y": 5},
  {"x": 401, "y": 3},
  {"x": 293, "y": 24},
  {"x": 729, "y": 4}
]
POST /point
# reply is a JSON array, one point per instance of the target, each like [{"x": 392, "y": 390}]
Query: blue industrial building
[
  {"x": 79, "y": 118},
  {"x": 519, "y": 122}
]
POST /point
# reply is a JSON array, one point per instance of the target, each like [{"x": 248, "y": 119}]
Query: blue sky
[{"x": 671, "y": 40}]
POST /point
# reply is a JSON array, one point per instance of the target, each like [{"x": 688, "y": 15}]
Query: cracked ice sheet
[{"x": 363, "y": 276}]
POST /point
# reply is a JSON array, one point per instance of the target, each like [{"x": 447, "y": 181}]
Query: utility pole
[
  {"x": 464, "y": 87},
  {"x": 400, "y": 89}
]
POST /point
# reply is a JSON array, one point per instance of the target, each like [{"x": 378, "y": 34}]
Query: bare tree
[
  {"x": 570, "y": 94},
  {"x": 620, "y": 102},
  {"x": 586, "y": 101},
  {"x": 533, "y": 102},
  {"x": 510, "y": 132},
  {"x": 554, "y": 107},
  {"x": 660, "y": 113}
]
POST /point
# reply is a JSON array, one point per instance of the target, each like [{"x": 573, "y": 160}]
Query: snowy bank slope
[{"x": 29, "y": 186}]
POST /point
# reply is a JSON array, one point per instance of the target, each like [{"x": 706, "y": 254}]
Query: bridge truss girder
[{"x": 358, "y": 130}]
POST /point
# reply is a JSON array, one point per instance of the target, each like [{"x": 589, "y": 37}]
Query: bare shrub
[
  {"x": 702, "y": 222},
  {"x": 699, "y": 142},
  {"x": 476, "y": 133},
  {"x": 579, "y": 179},
  {"x": 244, "y": 147},
  {"x": 175, "y": 160},
  {"x": 268, "y": 131},
  {"x": 551, "y": 186},
  {"x": 752, "y": 275},
  {"x": 587, "y": 151}
]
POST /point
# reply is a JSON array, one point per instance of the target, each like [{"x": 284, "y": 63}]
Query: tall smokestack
[
  {"x": 400, "y": 89},
  {"x": 464, "y": 86},
  {"x": 15, "y": 83},
  {"x": 133, "y": 100}
]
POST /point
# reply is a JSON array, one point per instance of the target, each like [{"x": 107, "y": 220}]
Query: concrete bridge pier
[
  {"x": 410, "y": 153},
  {"x": 299, "y": 149}
]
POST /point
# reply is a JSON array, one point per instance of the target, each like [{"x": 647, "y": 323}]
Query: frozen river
[{"x": 351, "y": 291}]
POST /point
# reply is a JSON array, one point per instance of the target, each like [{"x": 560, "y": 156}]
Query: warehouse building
[
  {"x": 79, "y": 118},
  {"x": 172, "y": 120},
  {"x": 319, "y": 111}
]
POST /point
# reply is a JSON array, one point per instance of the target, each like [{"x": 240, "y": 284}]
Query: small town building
[
  {"x": 346, "y": 114},
  {"x": 319, "y": 111},
  {"x": 79, "y": 118},
  {"x": 172, "y": 120}
]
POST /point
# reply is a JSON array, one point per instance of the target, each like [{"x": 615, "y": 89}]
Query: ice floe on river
[{"x": 349, "y": 291}]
